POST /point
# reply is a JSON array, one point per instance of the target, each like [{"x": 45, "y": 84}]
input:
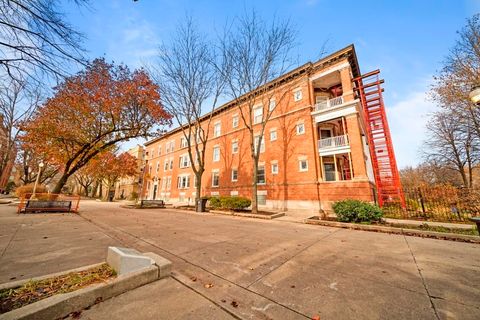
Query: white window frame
[
  {"x": 215, "y": 173},
  {"x": 298, "y": 126},
  {"x": 262, "y": 165},
  {"x": 300, "y": 161},
  {"x": 256, "y": 116},
  {"x": 297, "y": 95},
  {"x": 235, "y": 121},
  {"x": 273, "y": 131},
  {"x": 236, "y": 171},
  {"x": 234, "y": 146},
  {"x": 184, "y": 161},
  {"x": 183, "y": 181},
  {"x": 274, "y": 164},
  {"x": 217, "y": 129},
  {"x": 159, "y": 153},
  {"x": 272, "y": 104},
  {"x": 215, "y": 155},
  {"x": 166, "y": 165},
  {"x": 183, "y": 142},
  {"x": 262, "y": 145}
]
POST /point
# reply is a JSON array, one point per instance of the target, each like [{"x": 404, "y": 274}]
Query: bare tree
[
  {"x": 18, "y": 101},
  {"x": 452, "y": 145},
  {"x": 190, "y": 86},
  {"x": 255, "y": 53},
  {"x": 460, "y": 73},
  {"x": 35, "y": 39}
]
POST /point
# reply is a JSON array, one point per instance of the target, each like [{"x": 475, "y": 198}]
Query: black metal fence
[{"x": 439, "y": 203}]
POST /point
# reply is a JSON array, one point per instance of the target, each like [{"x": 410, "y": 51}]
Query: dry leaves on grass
[{"x": 33, "y": 291}]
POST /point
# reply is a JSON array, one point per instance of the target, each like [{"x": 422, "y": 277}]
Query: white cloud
[{"x": 407, "y": 119}]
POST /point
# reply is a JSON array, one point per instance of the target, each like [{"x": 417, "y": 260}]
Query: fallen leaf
[
  {"x": 193, "y": 278},
  {"x": 234, "y": 304},
  {"x": 208, "y": 285},
  {"x": 316, "y": 317}
]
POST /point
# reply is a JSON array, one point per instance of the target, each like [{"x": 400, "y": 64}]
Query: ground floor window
[
  {"x": 215, "y": 179},
  {"x": 262, "y": 199},
  {"x": 261, "y": 174},
  {"x": 329, "y": 171}
]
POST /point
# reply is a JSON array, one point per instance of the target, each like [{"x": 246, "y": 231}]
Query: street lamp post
[{"x": 40, "y": 166}]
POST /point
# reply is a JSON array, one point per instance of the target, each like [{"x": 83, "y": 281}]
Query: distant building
[{"x": 128, "y": 185}]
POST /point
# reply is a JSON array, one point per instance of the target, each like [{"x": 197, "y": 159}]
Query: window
[
  {"x": 273, "y": 135},
  {"x": 170, "y": 146},
  {"x": 217, "y": 129},
  {"x": 169, "y": 182},
  {"x": 234, "y": 174},
  {"x": 297, "y": 95},
  {"x": 300, "y": 128},
  {"x": 183, "y": 182},
  {"x": 303, "y": 165},
  {"x": 158, "y": 167},
  {"x": 183, "y": 142},
  {"x": 159, "y": 150},
  {"x": 235, "y": 121},
  {"x": 258, "y": 115},
  {"x": 329, "y": 171},
  {"x": 171, "y": 163},
  {"x": 235, "y": 146},
  {"x": 215, "y": 179},
  {"x": 271, "y": 105},
  {"x": 261, "y": 174},
  {"x": 262, "y": 199},
  {"x": 216, "y": 154},
  {"x": 150, "y": 169},
  {"x": 274, "y": 168},
  {"x": 165, "y": 165},
  {"x": 184, "y": 161},
  {"x": 262, "y": 144}
]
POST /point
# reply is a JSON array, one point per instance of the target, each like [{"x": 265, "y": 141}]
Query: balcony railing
[
  {"x": 328, "y": 104},
  {"x": 333, "y": 142}
]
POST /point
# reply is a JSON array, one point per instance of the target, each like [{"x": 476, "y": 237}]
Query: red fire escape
[{"x": 369, "y": 90}]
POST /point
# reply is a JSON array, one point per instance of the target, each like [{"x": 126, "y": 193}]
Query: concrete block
[
  {"x": 164, "y": 265},
  {"x": 125, "y": 260}
]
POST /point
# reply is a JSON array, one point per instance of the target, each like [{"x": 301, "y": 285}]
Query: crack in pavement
[
  {"x": 105, "y": 228},
  {"x": 13, "y": 236},
  {"x": 296, "y": 254},
  {"x": 430, "y": 297}
]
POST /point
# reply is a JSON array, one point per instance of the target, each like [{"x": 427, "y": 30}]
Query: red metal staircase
[{"x": 369, "y": 90}]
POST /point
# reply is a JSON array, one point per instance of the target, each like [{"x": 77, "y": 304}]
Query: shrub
[
  {"x": 23, "y": 190},
  {"x": 133, "y": 196},
  {"x": 356, "y": 211},
  {"x": 229, "y": 203}
]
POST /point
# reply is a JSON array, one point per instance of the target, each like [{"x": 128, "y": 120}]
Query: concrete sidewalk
[
  {"x": 432, "y": 223},
  {"x": 251, "y": 268}
]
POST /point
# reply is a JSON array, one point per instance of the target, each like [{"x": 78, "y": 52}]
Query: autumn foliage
[{"x": 91, "y": 112}]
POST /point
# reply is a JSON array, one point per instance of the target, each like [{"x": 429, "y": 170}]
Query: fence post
[{"x": 421, "y": 200}]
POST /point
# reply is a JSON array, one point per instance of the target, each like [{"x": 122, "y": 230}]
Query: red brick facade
[{"x": 302, "y": 174}]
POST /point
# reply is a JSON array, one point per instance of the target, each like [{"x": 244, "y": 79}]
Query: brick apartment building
[{"x": 314, "y": 152}]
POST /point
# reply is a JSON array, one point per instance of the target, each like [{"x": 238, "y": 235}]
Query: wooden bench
[
  {"x": 48, "y": 206},
  {"x": 152, "y": 203}
]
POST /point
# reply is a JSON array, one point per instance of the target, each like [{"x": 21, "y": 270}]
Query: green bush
[
  {"x": 356, "y": 211},
  {"x": 229, "y": 203}
]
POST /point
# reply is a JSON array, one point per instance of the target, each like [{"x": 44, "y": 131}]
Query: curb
[
  {"x": 393, "y": 230},
  {"x": 62, "y": 305},
  {"x": 249, "y": 215}
]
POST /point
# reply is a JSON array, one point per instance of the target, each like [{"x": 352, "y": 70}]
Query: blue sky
[{"x": 406, "y": 40}]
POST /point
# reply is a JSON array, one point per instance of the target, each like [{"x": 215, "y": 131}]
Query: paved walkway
[{"x": 244, "y": 268}]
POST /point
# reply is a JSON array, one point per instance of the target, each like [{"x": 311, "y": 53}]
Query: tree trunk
[
  {"x": 198, "y": 191},
  {"x": 255, "y": 186},
  {"x": 61, "y": 183}
]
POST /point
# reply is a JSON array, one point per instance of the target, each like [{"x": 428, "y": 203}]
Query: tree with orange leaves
[
  {"x": 91, "y": 112},
  {"x": 112, "y": 167}
]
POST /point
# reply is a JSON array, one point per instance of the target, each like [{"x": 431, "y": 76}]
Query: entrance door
[
  {"x": 329, "y": 171},
  {"x": 154, "y": 191}
]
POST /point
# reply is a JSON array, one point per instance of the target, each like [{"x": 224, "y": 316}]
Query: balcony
[
  {"x": 333, "y": 145},
  {"x": 329, "y": 104}
]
